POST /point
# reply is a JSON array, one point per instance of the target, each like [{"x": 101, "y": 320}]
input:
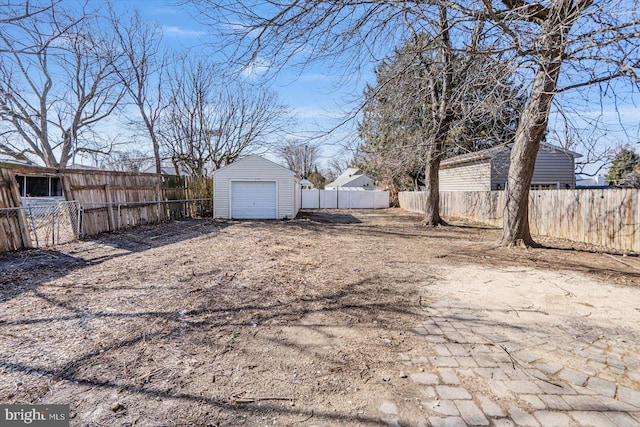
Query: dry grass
[{"x": 203, "y": 322}]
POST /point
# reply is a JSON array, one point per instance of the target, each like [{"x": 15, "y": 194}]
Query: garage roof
[{"x": 238, "y": 164}]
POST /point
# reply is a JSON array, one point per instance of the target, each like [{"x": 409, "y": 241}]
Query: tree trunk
[
  {"x": 152, "y": 133},
  {"x": 442, "y": 117},
  {"x": 156, "y": 153},
  {"x": 533, "y": 124},
  {"x": 432, "y": 188},
  {"x": 176, "y": 167}
]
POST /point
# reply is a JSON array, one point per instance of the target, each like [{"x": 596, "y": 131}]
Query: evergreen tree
[
  {"x": 623, "y": 164},
  {"x": 398, "y": 116},
  {"x": 317, "y": 179}
]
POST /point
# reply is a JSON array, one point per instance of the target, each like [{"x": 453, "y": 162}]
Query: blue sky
[
  {"x": 316, "y": 101},
  {"x": 320, "y": 95}
]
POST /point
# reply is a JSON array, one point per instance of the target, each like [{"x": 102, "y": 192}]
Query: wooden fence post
[
  {"x": 159, "y": 199},
  {"x": 111, "y": 219},
  {"x": 23, "y": 224}
]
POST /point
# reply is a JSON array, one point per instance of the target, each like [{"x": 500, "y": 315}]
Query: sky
[
  {"x": 319, "y": 97},
  {"x": 317, "y": 103}
]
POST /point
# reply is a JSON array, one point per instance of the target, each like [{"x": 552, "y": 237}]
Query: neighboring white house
[
  {"x": 305, "y": 184},
  {"x": 488, "y": 169},
  {"x": 255, "y": 188},
  {"x": 591, "y": 181},
  {"x": 168, "y": 170},
  {"x": 351, "y": 178}
]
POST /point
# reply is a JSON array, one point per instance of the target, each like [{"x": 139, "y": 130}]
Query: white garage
[{"x": 255, "y": 188}]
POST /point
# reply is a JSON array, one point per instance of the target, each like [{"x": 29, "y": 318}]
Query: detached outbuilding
[
  {"x": 351, "y": 178},
  {"x": 488, "y": 169},
  {"x": 255, "y": 188}
]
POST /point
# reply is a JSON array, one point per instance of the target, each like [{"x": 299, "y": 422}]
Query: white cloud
[
  {"x": 256, "y": 68},
  {"x": 180, "y": 32},
  {"x": 164, "y": 11}
]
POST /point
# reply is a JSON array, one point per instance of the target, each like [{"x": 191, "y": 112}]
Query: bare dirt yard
[{"x": 220, "y": 323}]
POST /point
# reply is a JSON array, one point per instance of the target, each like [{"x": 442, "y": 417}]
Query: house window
[
  {"x": 39, "y": 186},
  {"x": 56, "y": 186},
  {"x": 553, "y": 186}
]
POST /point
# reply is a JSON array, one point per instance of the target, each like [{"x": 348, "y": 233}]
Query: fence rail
[
  {"x": 344, "y": 199},
  {"x": 97, "y": 202},
  {"x": 98, "y": 217},
  {"x": 49, "y": 224},
  {"x": 607, "y": 217}
]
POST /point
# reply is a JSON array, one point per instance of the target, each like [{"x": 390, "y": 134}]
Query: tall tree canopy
[
  {"x": 57, "y": 81},
  {"x": 625, "y": 162},
  {"x": 397, "y": 113},
  {"x": 556, "y": 46}
]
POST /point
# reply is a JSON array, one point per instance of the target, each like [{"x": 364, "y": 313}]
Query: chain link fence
[{"x": 52, "y": 221}]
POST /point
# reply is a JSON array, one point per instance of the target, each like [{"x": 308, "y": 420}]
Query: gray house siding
[
  {"x": 473, "y": 176},
  {"x": 553, "y": 166},
  {"x": 500, "y": 169},
  {"x": 489, "y": 169}
]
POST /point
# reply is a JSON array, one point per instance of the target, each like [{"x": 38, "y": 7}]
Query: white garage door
[{"x": 253, "y": 200}]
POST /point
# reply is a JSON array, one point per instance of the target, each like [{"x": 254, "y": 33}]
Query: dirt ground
[{"x": 219, "y": 323}]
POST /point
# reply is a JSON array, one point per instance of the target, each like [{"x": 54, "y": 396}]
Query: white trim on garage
[
  {"x": 259, "y": 202},
  {"x": 254, "y": 169}
]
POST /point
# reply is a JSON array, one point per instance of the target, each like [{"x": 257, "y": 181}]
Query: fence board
[
  {"x": 603, "y": 217},
  {"x": 114, "y": 200},
  {"x": 14, "y": 234},
  {"x": 107, "y": 201},
  {"x": 344, "y": 199}
]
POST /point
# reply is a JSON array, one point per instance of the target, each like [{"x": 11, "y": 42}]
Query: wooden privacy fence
[
  {"x": 114, "y": 200},
  {"x": 606, "y": 217},
  {"x": 14, "y": 231},
  {"x": 97, "y": 201}
]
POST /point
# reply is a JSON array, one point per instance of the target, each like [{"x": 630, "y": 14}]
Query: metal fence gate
[{"x": 53, "y": 223}]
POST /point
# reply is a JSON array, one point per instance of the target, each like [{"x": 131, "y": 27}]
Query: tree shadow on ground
[
  {"x": 231, "y": 309},
  {"x": 23, "y": 271},
  {"x": 327, "y": 217}
]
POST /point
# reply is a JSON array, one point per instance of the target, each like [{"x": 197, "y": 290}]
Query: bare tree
[
  {"x": 632, "y": 180},
  {"x": 353, "y": 33},
  {"x": 572, "y": 44},
  {"x": 399, "y": 120},
  {"x": 210, "y": 122},
  {"x": 187, "y": 126},
  {"x": 142, "y": 73},
  {"x": 14, "y": 13},
  {"x": 349, "y": 157},
  {"x": 557, "y": 46},
  {"x": 52, "y": 97},
  {"x": 597, "y": 152},
  {"x": 128, "y": 161},
  {"x": 301, "y": 157}
]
